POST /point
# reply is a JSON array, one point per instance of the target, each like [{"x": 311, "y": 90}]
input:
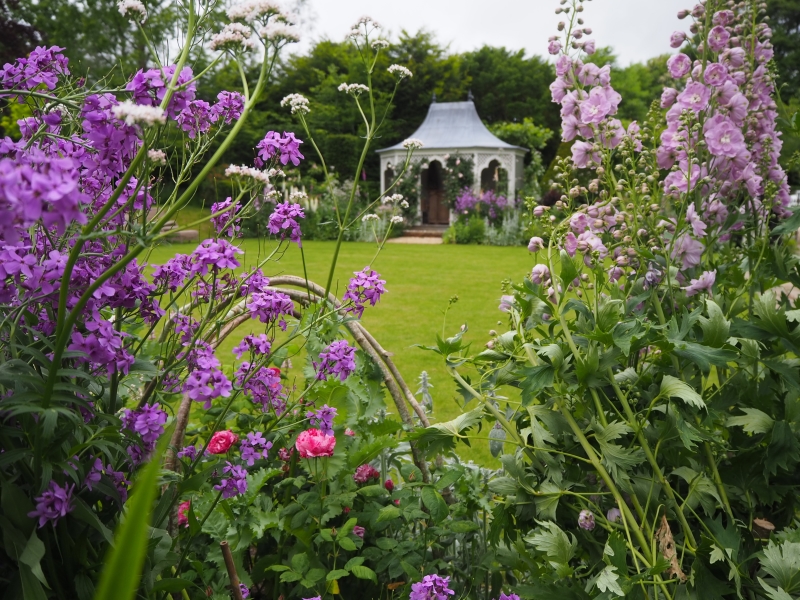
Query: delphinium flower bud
[{"x": 586, "y": 520}]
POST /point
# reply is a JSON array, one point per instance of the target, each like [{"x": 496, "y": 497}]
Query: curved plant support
[{"x": 395, "y": 383}]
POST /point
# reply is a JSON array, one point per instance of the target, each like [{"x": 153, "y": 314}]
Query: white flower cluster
[
  {"x": 233, "y": 36},
  {"x": 250, "y": 10},
  {"x": 132, "y": 6},
  {"x": 413, "y": 144},
  {"x": 393, "y": 199},
  {"x": 133, "y": 113},
  {"x": 297, "y": 102},
  {"x": 379, "y": 44},
  {"x": 401, "y": 71},
  {"x": 355, "y": 30},
  {"x": 396, "y": 219},
  {"x": 371, "y": 217},
  {"x": 353, "y": 88},
  {"x": 159, "y": 157},
  {"x": 243, "y": 171},
  {"x": 279, "y": 32},
  {"x": 297, "y": 196},
  {"x": 276, "y": 173}
]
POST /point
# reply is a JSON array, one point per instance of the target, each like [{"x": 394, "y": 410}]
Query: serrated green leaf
[
  {"x": 675, "y": 388},
  {"x": 608, "y": 581},
  {"x": 345, "y": 530},
  {"x": 434, "y": 502},
  {"x": 348, "y": 544},
  {"x": 550, "y": 539},
  {"x": 716, "y": 328},
  {"x": 388, "y": 513},
  {"x": 754, "y": 421},
  {"x": 290, "y": 576},
  {"x": 782, "y": 561}
]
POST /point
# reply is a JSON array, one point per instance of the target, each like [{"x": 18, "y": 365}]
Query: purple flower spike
[
  {"x": 432, "y": 587},
  {"x": 235, "y": 484},
  {"x": 338, "y": 360},
  {"x": 322, "y": 418},
  {"x": 54, "y": 503},
  {"x": 365, "y": 287}
]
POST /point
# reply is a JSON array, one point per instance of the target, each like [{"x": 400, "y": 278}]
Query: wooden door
[{"x": 439, "y": 213}]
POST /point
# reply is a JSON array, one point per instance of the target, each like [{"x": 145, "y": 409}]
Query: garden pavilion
[{"x": 454, "y": 128}]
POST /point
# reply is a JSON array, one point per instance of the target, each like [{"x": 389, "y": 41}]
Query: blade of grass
[{"x": 123, "y": 566}]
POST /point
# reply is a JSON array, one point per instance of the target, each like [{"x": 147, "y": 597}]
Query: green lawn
[{"x": 420, "y": 280}]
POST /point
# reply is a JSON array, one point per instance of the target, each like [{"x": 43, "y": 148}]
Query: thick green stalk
[
  {"x": 590, "y": 452},
  {"x": 687, "y": 532}
]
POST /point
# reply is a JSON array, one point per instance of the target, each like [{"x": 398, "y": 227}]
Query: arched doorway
[
  {"x": 388, "y": 177},
  {"x": 434, "y": 207},
  {"x": 494, "y": 178}
]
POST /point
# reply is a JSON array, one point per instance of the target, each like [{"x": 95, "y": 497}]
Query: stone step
[{"x": 425, "y": 231}]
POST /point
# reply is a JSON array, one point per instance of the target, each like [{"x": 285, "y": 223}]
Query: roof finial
[
  {"x": 433, "y": 99},
  {"x": 470, "y": 97}
]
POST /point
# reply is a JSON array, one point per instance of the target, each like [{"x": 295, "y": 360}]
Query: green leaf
[
  {"x": 354, "y": 562},
  {"x": 783, "y": 563},
  {"x": 568, "y": 269},
  {"x": 386, "y": 543},
  {"x": 337, "y": 574},
  {"x": 716, "y": 328},
  {"x": 83, "y": 512},
  {"x": 300, "y": 562},
  {"x": 772, "y": 593},
  {"x": 388, "y": 513},
  {"x": 704, "y": 356},
  {"x": 363, "y": 572},
  {"x": 434, "y": 502},
  {"x": 32, "y": 556},
  {"x": 672, "y": 387},
  {"x": 608, "y": 581},
  {"x": 346, "y": 529},
  {"x": 449, "y": 478},
  {"x": 754, "y": 421},
  {"x": 535, "y": 380},
  {"x": 122, "y": 569},
  {"x": 348, "y": 544},
  {"x": 290, "y": 576},
  {"x": 790, "y": 225},
  {"x": 547, "y": 503},
  {"x": 315, "y": 575},
  {"x": 441, "y": 437},
  {"x": 551, "y": 540}
]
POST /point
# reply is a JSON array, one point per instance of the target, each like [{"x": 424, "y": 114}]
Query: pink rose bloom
[
  {"x": 718, "y": 38},
  {"x": 359, "y": 531},
  {"x": 389, "y": 485},
  {"x": 677, "y": 39},
  {"x": 183, "y": 509},
  {"x": 221, "y": 441},
  {"x": 716, "y": 74},
  {"x": 349, "y": 432},
  {"x": 312, "y": 443},
  {"x": 679, "y": 65}
]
